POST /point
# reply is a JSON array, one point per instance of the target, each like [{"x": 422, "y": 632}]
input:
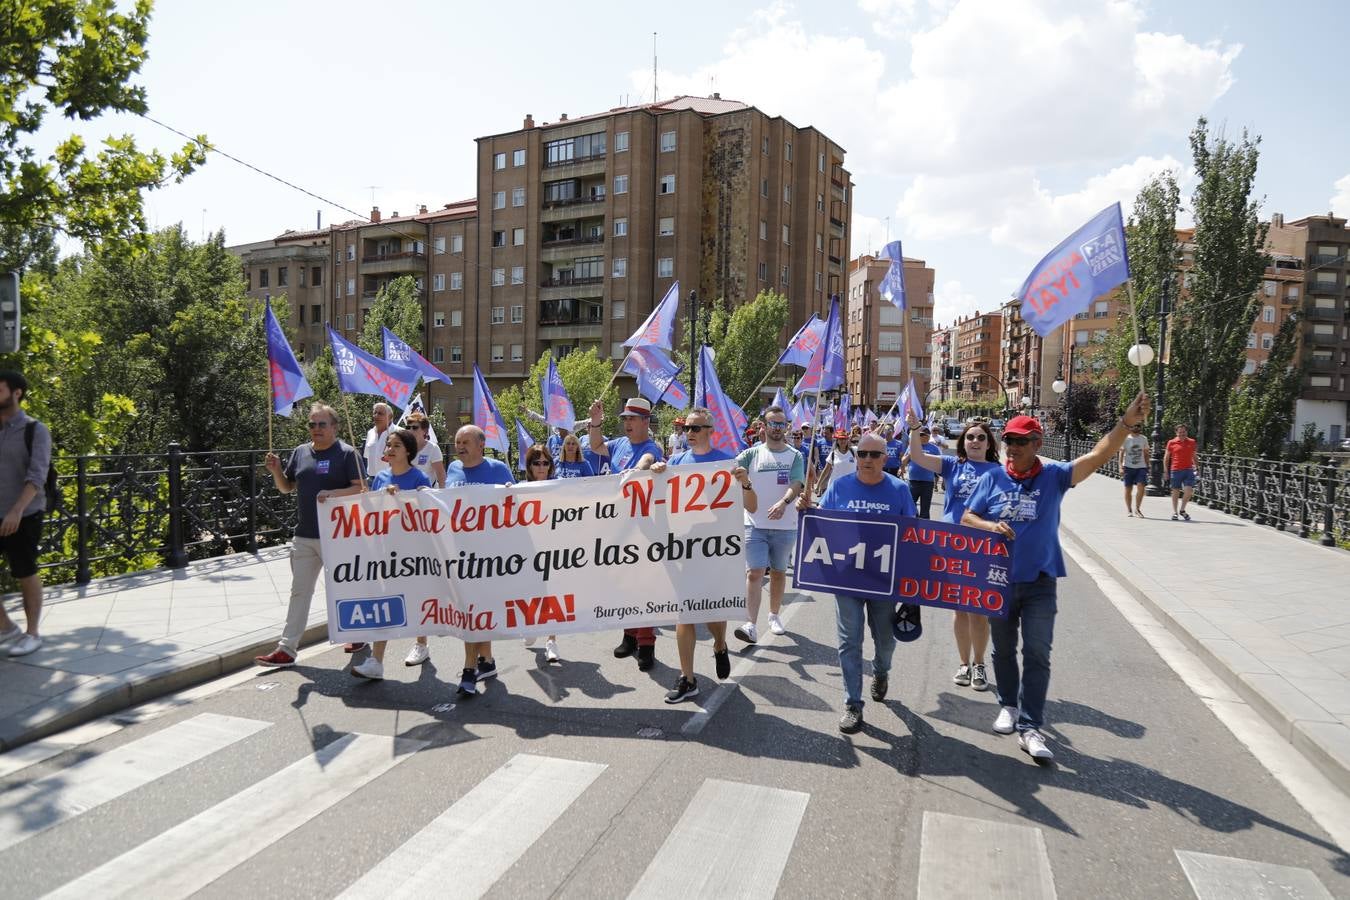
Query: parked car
[
  {"x": 952, "y": 427},
  {"x": 1345, "y": 444}
]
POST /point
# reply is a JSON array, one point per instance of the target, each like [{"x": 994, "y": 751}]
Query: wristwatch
[{"x": 747, "y": 486}]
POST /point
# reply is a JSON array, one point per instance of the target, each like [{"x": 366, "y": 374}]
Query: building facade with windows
[
  {"x": 884, "y": 346},
  {"x": 976, "y": 351},
  {"x": 293, "y": 265}
]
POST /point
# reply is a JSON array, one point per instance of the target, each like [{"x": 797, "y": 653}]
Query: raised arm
[
  {"x": 595, "y": 433},
  {"x": 918, "y": 453},
  {"x": 1112, "y": 441}
]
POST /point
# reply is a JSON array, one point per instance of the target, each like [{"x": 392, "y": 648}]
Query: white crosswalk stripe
[
  {"x": 1228, "y": 878},
  {"x": 733, "y": 840},
  {"x": 42, "y": 804},
  {"x": 483, "y": 833},
  {"x": 192, "y": 854},
  {"x": 20, "y": 758},
  {"x": 963, "y": 857}
]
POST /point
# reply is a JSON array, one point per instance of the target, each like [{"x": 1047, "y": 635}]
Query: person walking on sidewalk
[
  {"x": 25, "y": 457},
  {"x": 323, "y": 468},
  {"x": 1021, "y": 502},
  {"x": 1179, "y": 462},
  {"x": 868, "y": 490},
  {"x": 1133, "y": 461}
]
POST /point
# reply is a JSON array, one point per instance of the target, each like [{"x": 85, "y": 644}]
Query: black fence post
[
  {"x": 252, "y": 501},
  {"x": 177, "y": 551},
  {"x": 1260, "y": 504},
  {"x": 1305, "y": 512},
  {"x": 1280, "y": 519},
  {"x": 82, "y": 573},
  {"x": 1329, "y": 503}
]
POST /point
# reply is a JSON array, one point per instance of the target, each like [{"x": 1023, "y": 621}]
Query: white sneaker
[
  {"x": 1033, "y": 742},
  {"x": 551, "y": 650},
  {"x": 776, "y": 624},
  {"x": 12, "y": 634},
  {"x": 371, "y": 668},
  {"x": 529, "y": 641},
  {"x": 418, "y": 654},
  {"x": 25, "y": 645},
  {"x": 747, "y": 633},
  {"x": 1006, "y": 723}
]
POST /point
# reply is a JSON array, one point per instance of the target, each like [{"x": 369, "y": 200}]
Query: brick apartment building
[
  {"x": 1030, "y": 364},
  {"x": 580, "y": 226},
  {"x": 296, "y": 265},
  {"x": 884, "y": 347},
  {"x": 976, "y": 350}
]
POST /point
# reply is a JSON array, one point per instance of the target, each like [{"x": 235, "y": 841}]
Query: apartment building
[
  {"x": 293, "y": 265},
  {"x": 976, "y": 352},
  {"x": 885, "y": 347},
  {"x": 1030, "y": 363}
]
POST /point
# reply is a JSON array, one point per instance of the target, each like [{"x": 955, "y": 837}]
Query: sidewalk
[
  {"x": 121, "y": 641},
  {"x": 1266, "y": 610}
]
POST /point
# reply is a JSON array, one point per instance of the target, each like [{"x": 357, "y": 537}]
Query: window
[
  {"x": 785, "y": 235},
  {"x": 498, "y": 315},
  {"x": 351, "y": 287},
  {"x": 787, "y": 193},
  {"x": 351, "y": 321},
  {"x": 283, "y": 276},
  {"x": 1292, "y": 293},
  {"x": 1080, "y": 338},
  {"x": 518, "y": 158},
  {"x": 498, "y": 277},
  {"x": 517, "y": 314},
  {"x": 456, "y": 318},
  {"x": 517, "y": 274},
  {"x": 1101, "y": 309},
  {"x": 890, "y": 315},
  {"x": 620, "y": 184},
  {"x": 787, "y": 150},
  {"x": 820, "y": 242},
  {"x": 438, "y": 245},
  {"x": 1268, "y": 314},
  {"x": 1098, "y": 335},
  {"x": 820, "y": 282},
  {"x": 499, "y": 199},
  {"x": 1251, "y": 340},
  {"x": 463, "y": 404},
  {"x": 820, "y": 162},
  {"x": 301, "y": 313},
  {"x": 316, "y": 276},
  {"x": 568, "y": 149},
  {"x": 665, "y": 267},
  {"x": 621, "y": 142},
  {"x": 438, "y": 355},
  {"x": 457, "y": 355},
  {"x": 889, "y": 365},
  {"x": 499, "y": 238},
  {"x": 820, "y": 202},
  {"x": 667, "y": 141},
  {"x": 665, "y": 226},
  {"x": 891, "y": 340},
  {"x": 616, "y": 350},
  {"x": 1267, "y": 341},
  {"x": 618, "y": 309},
  {"x": 517, "y": 352},
  {"x": 784, "y": 277},
  {"x": 1269, "y": 288},
  {"x": 438, "y": 282},
  {"x": 589, "y": 267},
  {"x": 456, "y": 243},
  {"x": 351, "y": 252},
  {"x": 518, "y": 237},
  {"x": 667, "y": 185},
  {"x": 1249, "y": 367},
  {"x": 763, "y": 271},
  {"x": 315, "y": 313},
  {"x": 496, "y": 352},
  {"x": 764, "y": 187},
  {"x": 1320, "y": 381},
  {"x": 763, "y": 230},
  {"x": 764, "y": 146},
  {"x": 456, "y": 281},
  {"x": 438, "y": 320},
  {"x": 620, "y": 227},
  {"x": 518, "y": 196},
  {"x": 499, "y": 160},
  {"x": 621, "y": 267}
]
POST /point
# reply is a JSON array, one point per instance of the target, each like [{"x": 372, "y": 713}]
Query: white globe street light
[
  {"x": 1140, "y": 355},
  {"x": 1026, "y": 401},
  {"x": 1059, "y": 386}
]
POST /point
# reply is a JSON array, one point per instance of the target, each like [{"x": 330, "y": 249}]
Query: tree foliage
[
  {"x": 397, "y": 308},
  {"x": 1090, "y": 406},
  {"x": 752, "y": 342},
  {"x": 1152, "y": 238},
  {"x": 584, "y": 374},
  {"x": 1261, "y": 408}
]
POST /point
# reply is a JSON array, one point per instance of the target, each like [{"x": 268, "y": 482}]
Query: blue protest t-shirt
[
  {"x": 889, "y": 497},
  {"x": 689, "y": 457},
  {"x": 579, "y": 469},
  {"x": 489, "y": 471},
  {"x": 1031, "y": 507},
  {"x": 331, "y": 469},
  {"x": 554, "y": 445},
  {"x": 918, "y": 472},
  {"x": 454, "y": 475},
  {"x": 624, "y": 454},
  {"x": 895, "y": 451},
  {"x": 410, "y": 480},
  {"x": 961, "y": 477}
]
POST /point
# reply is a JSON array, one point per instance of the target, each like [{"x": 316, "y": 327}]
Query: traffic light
[{"x": 9, "y": 312}]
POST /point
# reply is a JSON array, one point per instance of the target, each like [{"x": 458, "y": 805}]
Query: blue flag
[
  {"x": 892, "y": 285},
  {"x": 869, "y": 418},
  {"x": 558, "y": 410},
  {"x": 780, "y": 401},
  {"x": 397, "y": 350},
  {"x": 826, "y": 369},
  {"x": 910, "y": 402},
  {"x": 360, "y": 373},
  {"x": 726, "y": 436},
  {"x": 656, "y": 376},
  {"x": 486, "y": 416},
  {"x": 523, "y": 444},
  {"x": 659, "y": 329},
  {"x": 738, "y": 415},
  {"x": 842, "y": 414},
  {"x": 1087, "y": 264},
  {"x": 288, "y": 380},
  {"x": 804, "y": 343}
]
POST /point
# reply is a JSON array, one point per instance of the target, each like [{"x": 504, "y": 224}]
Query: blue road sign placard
[
  {"x": 845, "y": 554},
  {"x": 371, "y": 612}
]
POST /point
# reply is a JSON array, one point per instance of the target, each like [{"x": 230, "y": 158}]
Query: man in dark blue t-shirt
[
  {"x": 323, "y": 468},
  {"x": 635, "y": 450},
  {"x": 1021, "y": 501}
]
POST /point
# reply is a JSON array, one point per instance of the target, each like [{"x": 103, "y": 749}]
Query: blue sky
[{"x": 985, "y": 130}]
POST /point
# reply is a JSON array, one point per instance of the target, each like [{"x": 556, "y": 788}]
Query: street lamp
[
  {"x": 1157, "y": 489},
  {"x": 693, "y": 331},
  {"x": 1064, "y": 388}
]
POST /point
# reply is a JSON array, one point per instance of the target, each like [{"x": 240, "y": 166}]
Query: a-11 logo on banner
[
  {"x": 372, "y": 612},
  {"x": 845, "y": 555}
]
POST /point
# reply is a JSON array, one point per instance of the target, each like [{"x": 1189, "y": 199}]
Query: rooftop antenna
[
  {"x": 655, "y": 93},
  {"x": 372, "y": 188}
]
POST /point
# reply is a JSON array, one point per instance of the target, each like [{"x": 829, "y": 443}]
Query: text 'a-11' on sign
[
  {"x": 372, "y": 612},
  {"x": 846, "y": 555}
]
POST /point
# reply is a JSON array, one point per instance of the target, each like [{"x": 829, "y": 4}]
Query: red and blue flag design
[{"x": 288, "y": 379}]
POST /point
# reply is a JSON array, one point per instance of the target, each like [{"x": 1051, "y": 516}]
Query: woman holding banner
[{"x": 539, "y": 466}]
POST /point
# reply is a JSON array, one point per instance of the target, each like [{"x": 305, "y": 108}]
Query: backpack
[{"x": 51, "y": 489}]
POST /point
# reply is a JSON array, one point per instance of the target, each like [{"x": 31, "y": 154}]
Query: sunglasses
[
  {"x": 1016, "y": 441},
  {"x": 871, "y": 454},
  {"x": 976, "y": 437},
  {"x": 776, "y": 424},
  {"x": 796, "y": 434},
  {"x": 319, "y": 424},
  {"x": 697, "y": 428},
  {"x": 540, "y": 462},
  {"x": 416, "y": 426}
]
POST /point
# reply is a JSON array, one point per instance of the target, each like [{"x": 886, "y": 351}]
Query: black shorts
[{"x": 21, "y": 547}]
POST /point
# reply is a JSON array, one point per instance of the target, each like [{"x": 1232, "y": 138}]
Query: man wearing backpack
[{"x": 25, "y": 458}]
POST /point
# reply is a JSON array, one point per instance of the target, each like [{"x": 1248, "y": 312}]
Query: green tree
[
  {"x": 76, "y": 59},
  {"x": 1152, "y": 238},
  {"x": 1261, "y": 408},
  {"x": 752, "y": 342},
  {"x": 1209, "y": 337},
  {"x": 584, "y": 374},
  {"x": 397, "y": 308}
]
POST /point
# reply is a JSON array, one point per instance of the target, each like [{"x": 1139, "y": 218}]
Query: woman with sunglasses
[
  {"x": 539, "y": 466},
  {"x": 976, "y": 454},
  {"x": 400, "y": 448},
  {"x": 841, "y": 461},
  {"x": 571, "y": 461},
  {"x": 429, "y": 459}
]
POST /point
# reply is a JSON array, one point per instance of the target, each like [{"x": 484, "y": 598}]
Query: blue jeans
[
  {"x": 850, "y": 612},
  {"x": 1033, "y": 606}
]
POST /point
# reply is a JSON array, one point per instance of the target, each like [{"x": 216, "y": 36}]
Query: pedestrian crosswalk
[{"x": 730, "y": 839}]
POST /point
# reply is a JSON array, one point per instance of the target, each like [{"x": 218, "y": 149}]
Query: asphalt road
[{"x": 576, "y": 780}]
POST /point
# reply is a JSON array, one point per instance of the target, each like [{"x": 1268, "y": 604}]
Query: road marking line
[
  {"x": 481, "y": 836},
  {"x": 38, "y": 805},
  {"x": 964, "y": 857},
  {"x": 733, "y": 840},
  {"x": 1230, "y": 878},
  {"x": 192, "y": 854},
  {"x": 700, "y": 718},
  {"x": 20, "y": 758}
]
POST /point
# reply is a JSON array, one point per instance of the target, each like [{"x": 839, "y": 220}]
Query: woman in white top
[
  {"x": 839, "y": 463},
  {"x": 432, "y": 464}
]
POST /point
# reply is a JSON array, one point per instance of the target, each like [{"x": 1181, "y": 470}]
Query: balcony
[
  {"x": 406, "y": 261},
  {"x": 1324, "y": 259},
  {"x": 1323, "y": 287},
  {"x": 837, "y": 176},
  {"x": 575, "y": 160},
  {"x": 574, "y": 240},
  {"x": 572, "y": 208},
  {"x": 566, "y": 278},
  {"x": 1325, "y": 315},
  {"x": 1318, "y": 364}
]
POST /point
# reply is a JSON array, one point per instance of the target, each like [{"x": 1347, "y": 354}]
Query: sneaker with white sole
[
  {"x": 25, "y": 645},
  {"x": 551, "y": 650},
  {"x": 747, "y": 633},
  {"x": 370, "y": 668},
  {"x": 1032, "y": 742},
  {"x": 11, "y": 635},
  {"x": 776, "y": 624},
  {"x": 418, "y": 654},
  {"x": 962, "y": 676},
  {"x": 979, "y": 679},
  {"x": 1006, "y": 723},
  {"x": 683, "y": 690}
]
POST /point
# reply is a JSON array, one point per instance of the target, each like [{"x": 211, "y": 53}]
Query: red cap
[{"x": 1023, "y": 425}]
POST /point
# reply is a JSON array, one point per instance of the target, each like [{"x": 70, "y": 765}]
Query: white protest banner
[{"x": 484, "y": 562}]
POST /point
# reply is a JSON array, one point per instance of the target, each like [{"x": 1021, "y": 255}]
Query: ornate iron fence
[
  {"x": 1308, "y": 499},
  {"x": 134, "y": 512}
]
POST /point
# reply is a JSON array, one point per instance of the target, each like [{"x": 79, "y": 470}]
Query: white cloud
[
  {"x": 1340, "y": 204},
  {"x": 951, "y": 301}
]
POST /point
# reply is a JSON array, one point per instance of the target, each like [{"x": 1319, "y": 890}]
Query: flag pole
[
  {"x": 615, "y": 377},
  {"x": 1134, "y": 314},
  {"x": 351, "y": 433},
  {"x": 762, "y": 381}
]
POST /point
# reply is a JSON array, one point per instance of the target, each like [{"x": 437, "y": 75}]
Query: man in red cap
[
  {"x": 1021, "y": 501},
  {"x": 635, "y": 450},
  {"x": 678, "y": 442}
]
